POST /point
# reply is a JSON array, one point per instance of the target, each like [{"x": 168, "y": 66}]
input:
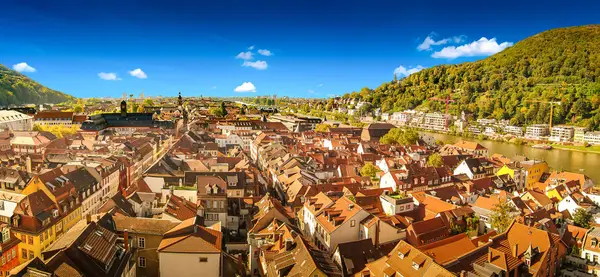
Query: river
[{"x": 556, "y": 158}]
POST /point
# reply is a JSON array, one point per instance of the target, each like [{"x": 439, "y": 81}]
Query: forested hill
[
  {"x": 558, "y": 65},
  {"x": 16, "y": 88}
]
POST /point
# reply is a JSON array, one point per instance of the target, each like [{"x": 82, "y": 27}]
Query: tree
[
  {"x": 397, "y": 135},
  {"x": 216, "y": 112},
  {"x": 323, "y": 128},
  {"x": 140, "y": 109},
  {"x": 78, "y": 108},
  {"x": 435, "y": 160},
  {"x": 148, "y": 102},
  {"x": 369, "y": 170},
  {"x": 582, "y": 218},
  {"x": 223, "y": 109},
  {"x": 502, "y": 216}
]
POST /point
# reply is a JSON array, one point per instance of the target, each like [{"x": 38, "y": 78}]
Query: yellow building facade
[{"x": 33, "y": 243}]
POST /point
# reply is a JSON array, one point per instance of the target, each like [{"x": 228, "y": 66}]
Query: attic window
[{"x": 415, "y": 266}]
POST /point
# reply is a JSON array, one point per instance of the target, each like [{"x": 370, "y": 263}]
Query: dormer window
[{"x": 415, "y": 266}]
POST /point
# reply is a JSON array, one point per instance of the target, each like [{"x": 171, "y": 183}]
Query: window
[
  {"x": 30, "y": 240},
  {"x": 24, "y": 253},
  {"x": 30, "y": 254},
  {"x": 141, "y": 261},
  {"x": 14, "y": 252},
  {"x": 352, "y": 223},
  {"x": 141, "y": 242},
  {"x": 203, "y": 259}
]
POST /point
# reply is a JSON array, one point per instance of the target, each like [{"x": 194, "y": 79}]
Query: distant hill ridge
[
  {"x": 558, "y": 65},
  {"x": 16, "y": 88}
]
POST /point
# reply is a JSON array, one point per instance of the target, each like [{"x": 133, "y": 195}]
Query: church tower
[{"x": 123, "y": 108}]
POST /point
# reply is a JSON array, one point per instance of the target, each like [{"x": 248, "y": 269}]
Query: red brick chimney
[{"x": 126, "y": 240}]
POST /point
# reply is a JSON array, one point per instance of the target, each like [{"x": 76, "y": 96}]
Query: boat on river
[{"x": 542, "y": 146}]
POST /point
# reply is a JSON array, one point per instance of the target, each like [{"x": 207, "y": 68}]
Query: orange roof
[
  {"x": 337, "y": 214},
  {"x": 448, "y": 249},
  {"x": 469, "y": 145}
]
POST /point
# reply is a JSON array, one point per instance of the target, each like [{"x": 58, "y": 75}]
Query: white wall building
[{"x": 15, "y": 121}]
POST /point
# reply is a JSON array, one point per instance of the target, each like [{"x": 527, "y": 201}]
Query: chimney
[
  {"x": 126, "y": 240},
  {"x": 88, "y": 218},
  {"x": 489, "y": 256},
  {"x": 515, "y": 250},
  {"x": 288, "y": 245},
  {"x": 28, "y": 164},
  {"x": 463, "y": 273}
]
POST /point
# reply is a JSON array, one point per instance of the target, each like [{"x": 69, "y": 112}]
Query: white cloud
[
  {"x": 23, "y": 67},
  {"x": 402, "y": 71},
  {"x": 260, "y": 65},
  {"x": 311, "y": 91},
  {"x": 109, "y": 76},
  {"x": 265, "y": 52},
  {"x": 429, "y": 41},
  {"x": 245, "y": 56},
  {"x": 251, "y": 47},
  {"x": 138, "y": 73},
  {"x": 481, "y": 47},
  {"x": 320, "y": 85},
  {"x": 245, "y": 87}
]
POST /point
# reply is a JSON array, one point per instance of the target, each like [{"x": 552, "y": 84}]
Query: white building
[
  {"x": 592, "y": 137},
  {"x": 562, "y": 133},
  {"x": 15, "y": 121},
  {"x": 513, "y": 130},
  {"x": 191, "y": 249},
  {"x": 537, "y": 131},
  {"x": 330, "y": 223}
]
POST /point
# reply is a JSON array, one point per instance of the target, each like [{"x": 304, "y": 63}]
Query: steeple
[
  {"x": 123, "y": 108},
  {"x": 179, "y": 100}
]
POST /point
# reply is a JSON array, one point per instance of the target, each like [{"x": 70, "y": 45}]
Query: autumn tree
[
  {"x": 502, "y": 215},
  {"x": 369, "y": 170},
  {"x": 582, "y": 218},
  {"x": 323, "y": 128},
  {"x": 435, "y": 160}
]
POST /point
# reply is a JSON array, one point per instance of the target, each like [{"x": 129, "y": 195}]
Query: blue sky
[{"x": 317, "y": 48}]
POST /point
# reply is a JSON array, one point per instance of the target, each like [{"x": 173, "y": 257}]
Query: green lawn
[{"x": 591, "y": 149}]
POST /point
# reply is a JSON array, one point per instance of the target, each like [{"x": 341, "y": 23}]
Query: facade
[
  {"x": 537, "y": 131},
  {"x": 592, "y": 137},
  {"x": 579, "y": 134},
  {"x": 533, "y": 171},
  {"x": 15, "y": 121},
  {"x": 193, "y": 245},
  {"x": 50, "y": 118},
  {"x": 562, "y": 133},
  {"x": 513, "y": 130},
  {"x": 145, "y": 234},
  {"x": 30, "y": 142},
  {"x": 91, "y": 248},
  {"x": 435, "y": 121},
  {"x": 9, "y": 250},
  {"x": 332, "y": 222}
]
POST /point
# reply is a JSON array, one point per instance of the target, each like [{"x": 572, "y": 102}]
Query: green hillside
[
  {"x": 16, "y": 88},
  {"x": 558, "y": 65}
]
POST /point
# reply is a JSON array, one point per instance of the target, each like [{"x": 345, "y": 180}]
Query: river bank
[{"x": 558, "y": 159}]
